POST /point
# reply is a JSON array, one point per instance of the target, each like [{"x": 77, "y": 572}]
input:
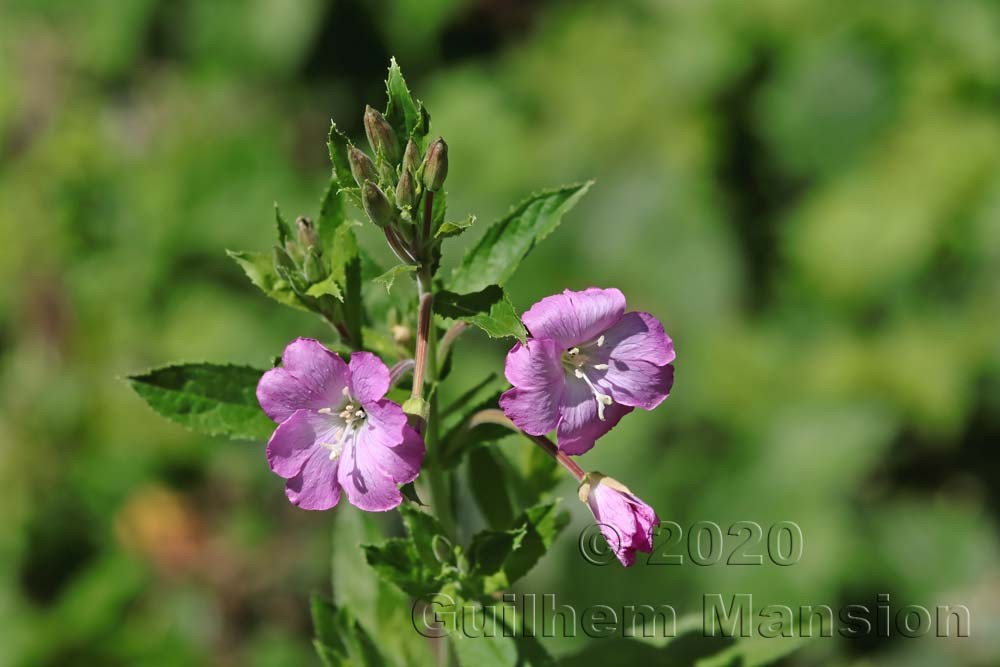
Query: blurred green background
[{"x": 806, "y": 193}]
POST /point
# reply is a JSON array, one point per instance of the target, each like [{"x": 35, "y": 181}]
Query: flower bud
[
  {"x": 306, "y": 232},
  {"x": 377, "y": 205},
  {"x": 436, "y": 165},
  {"x": 405, "y": 192},
  {"x": 362, "y": 167},
  {"x": 411, "y": 157},
  {"x": 381, "y": 135},
  {"x": 312, "y": 268}
]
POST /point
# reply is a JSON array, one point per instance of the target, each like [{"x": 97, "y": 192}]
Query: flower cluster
[{"x": 586, "y": 365}]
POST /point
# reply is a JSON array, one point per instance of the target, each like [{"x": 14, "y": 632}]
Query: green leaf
[
  {"x": 284, "y": 231},
  {"x": 378, "y": 605},
  {"x": 488, "y": 482},
  {"x": 489, "y": 309},
  {"x": 208, "y": 398},
  {"x": 411, "y": 564},
  {"x": 337, "y": 144},
  {"x": 449, "y": 229},
  {"x": 406, "y": 115},
  {"x": 259, "y": 268},
  {"x": 326, "y": 287},
  {"x": 495, "y": 258},
  {"x": 341, "y": 641},
  {"x": 388, "y": 278},
  {"x": 459, "y": 438}
]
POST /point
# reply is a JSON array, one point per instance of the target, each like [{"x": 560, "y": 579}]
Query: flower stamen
[{"x": 603, "y": 400}]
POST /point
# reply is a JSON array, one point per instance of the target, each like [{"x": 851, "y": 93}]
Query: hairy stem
[{"x": 497, "y": 417}]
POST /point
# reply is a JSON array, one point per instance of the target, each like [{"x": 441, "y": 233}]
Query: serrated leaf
[
  {"x": 259, "y": 268},
  {"x": 495, "y": 258},
  {"x": 410, "y": 563},
  {"x": 406, "y": 115},
  {"x": 449, "y": 229},
  {"x": 388, "y": 278},
  {"x": 326, "y": 287},
  {"x": 489, "y": 309},
  {"x": 337, "y": 144},
  {"x": 208, "y": 398},
  {"x": 284, "y": 231}
]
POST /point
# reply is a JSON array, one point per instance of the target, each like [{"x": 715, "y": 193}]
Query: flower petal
[
  {"x": 292, "y": 442},
  {"x": 580, "y": 425},
  {"x": 639, "y": 335},
  {"x": 311, "y": 377},
  {"x": 316, "y": 486},
  {"x": 535, "y": 364},
  {"x": 617, "y": 522},
  {"x": 637, "y": 383},
  {"x": 369, "y": 377},
  {"x": 367, "y": 486},
  {"x": 574, "y": 318},
  {"x": 534, "y": 411},
  {"x": 395, "y": 448}
]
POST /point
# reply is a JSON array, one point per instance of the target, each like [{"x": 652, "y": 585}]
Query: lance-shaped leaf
[
  {"x": 489, "y": 309},
  {"x": 208, "y": 398},
  {"x": 495, "y": 258},
  {"x": 449, "y": 229},
  {"x": 406, "y": 115},
  {"x": 259, "y": 268},
  {"x": 337, "y": 144}
]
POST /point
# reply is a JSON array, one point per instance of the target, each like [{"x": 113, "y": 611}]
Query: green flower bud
[
  {"x": 377, "y": 205},
  {"x": 312, "y": 268},
  {"x": 306, "y": 232},
  {"x": 411, "y": 157},
  {"x": 362, "y": 167},
  {"x": 436, "y": 165},
  {"x": 405, "y": 191},
  {"x": 381, "y": 135}
]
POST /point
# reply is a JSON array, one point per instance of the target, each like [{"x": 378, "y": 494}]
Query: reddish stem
[{"x": 498, "y": 417}]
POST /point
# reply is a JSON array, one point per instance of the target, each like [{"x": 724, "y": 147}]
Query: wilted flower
[
  {"x": 626, "y": 522},
  {"x": 336, "y": 430},
  {"x": 587, "y": 364}
]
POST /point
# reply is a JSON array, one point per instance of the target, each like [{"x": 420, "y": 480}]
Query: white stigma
[
  {"x": 603, "y": 400},
  {"x": 600, "y": 340}
]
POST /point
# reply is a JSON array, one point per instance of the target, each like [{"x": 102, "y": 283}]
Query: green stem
[{"x": 425, "y": 373}]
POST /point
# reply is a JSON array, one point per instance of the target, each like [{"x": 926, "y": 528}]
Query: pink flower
[
  {"x": 336, "y": 430},
  {"x": 587, "y": 365},
  {"x": 626, "y": 522}
]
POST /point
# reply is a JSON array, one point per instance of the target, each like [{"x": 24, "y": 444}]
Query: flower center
[
  {"x": 353, "y": 417},
  {"x": 578, "y": 361}
]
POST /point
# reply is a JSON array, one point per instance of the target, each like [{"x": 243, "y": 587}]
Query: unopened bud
[
  {"x": 306, "y": 231},
  {"x": 377, "y": 205},
  {"x": 405, "y": 191},
  {"x": 362, "y": 167},
  {"x": 436, "y": 165},
  {"x": 411, "y": 157},
  {"x": 312, "y": 267},
  {"x": 381, "y": 135}
]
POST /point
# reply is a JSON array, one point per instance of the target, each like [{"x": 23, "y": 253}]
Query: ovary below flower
[
  {"x": 587, "y": 364},
  {"x": 626, "y": 522},
  {"x": 336, "y": 431}
]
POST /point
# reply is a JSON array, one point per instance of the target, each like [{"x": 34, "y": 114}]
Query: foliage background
[{"x": 806, "y": 193}]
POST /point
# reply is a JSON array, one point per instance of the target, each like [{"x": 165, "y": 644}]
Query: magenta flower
[
  {"x": 587, "y": 365},
  {"x": 336, "y": 430},
  {"x": 626, "y": 522}
]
